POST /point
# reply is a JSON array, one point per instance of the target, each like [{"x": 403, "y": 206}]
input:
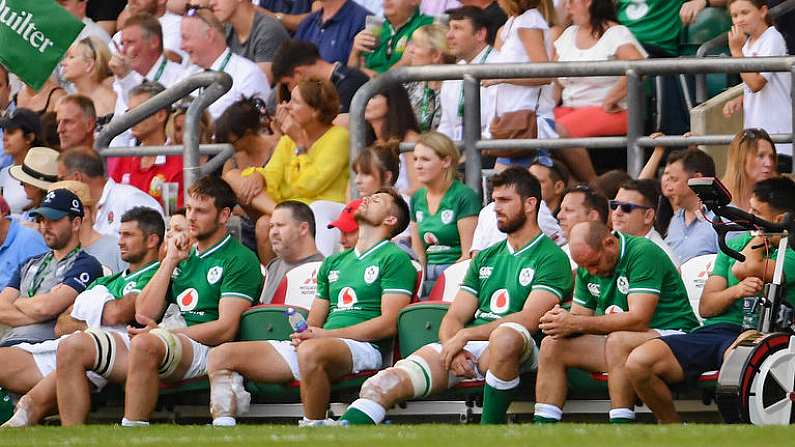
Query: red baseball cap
[{"x": 345, "y": 221}]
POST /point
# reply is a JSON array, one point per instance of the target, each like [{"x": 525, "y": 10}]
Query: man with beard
[
  {"x": 96, "y": 350},
  {"x": 213, "y": 283},
  {"x": 292, "y": 236},
  {"x": 350, "y": 326},
  {"x": 488, "y": 331},
  {"x": 46, "y": 285}
]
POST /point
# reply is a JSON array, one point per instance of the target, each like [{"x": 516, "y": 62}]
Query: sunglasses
[
  {"x": 195, "y": 11},
  {"x": 543, "y": 159},
  {"x": 626, "y": 207}
]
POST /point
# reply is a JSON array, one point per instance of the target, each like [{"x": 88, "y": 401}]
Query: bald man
[{"x": 627, "y": 291}]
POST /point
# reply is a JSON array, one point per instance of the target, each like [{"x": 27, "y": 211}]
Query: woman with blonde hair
[
  {"x": 86, "y": 67},
  {"x": 524, "y": 38},
  {"x": 443, "y": 211},
  {"x": 428, "y": 46},
  {"x": 752, "y": 158}
]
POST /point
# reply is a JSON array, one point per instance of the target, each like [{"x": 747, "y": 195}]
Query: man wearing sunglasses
[
  {"x": 634, "y": 211},
  {"x": 626, "y": 293}
]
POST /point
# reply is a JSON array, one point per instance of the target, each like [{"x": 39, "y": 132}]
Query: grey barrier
[
  {"x": 472, "y": 74},
  {"x": 721, "y": 41},
  {"x": 213, "y": 85}
]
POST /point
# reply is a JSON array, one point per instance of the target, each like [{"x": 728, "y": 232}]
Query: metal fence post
[
  {"x": 471, "y": 134},
  {"x": 634, "y": 123}
]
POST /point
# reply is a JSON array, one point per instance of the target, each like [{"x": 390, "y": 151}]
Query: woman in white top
[
  {"x": 524, "y": 37},
  {"x": 766, "y": 101},
  {"x": 593, "y": 106}
]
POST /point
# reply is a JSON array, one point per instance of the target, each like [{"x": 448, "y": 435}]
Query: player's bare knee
[
  {"x": 75, "y": 348},
  {"x": 617, "y": 346},
  {"x": 639, "y": 365},
  {"x": 550, "y": 350},
  {"x": 146, "y": 349},
  {"x": 506, "y": 344},
  {"x": 220, "y": 357},
  {"x": 312, "y": 354}
]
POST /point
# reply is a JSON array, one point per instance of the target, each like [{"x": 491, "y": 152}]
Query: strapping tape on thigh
[
  {"x": 105, "y": 345},
  {"x": 173, "y": 355}
]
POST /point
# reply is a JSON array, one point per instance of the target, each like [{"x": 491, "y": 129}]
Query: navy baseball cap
[
  {"x": 59, "y": 203},
  {"x": 21, "y": 118}
]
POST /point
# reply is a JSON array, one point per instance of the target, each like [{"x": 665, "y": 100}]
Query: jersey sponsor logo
[
  {"x": 188, "y": 299},
  {"x": 526, "y": 276},
  {"x": 623, "y": 284},
  {"x": 500, "y": 300},
  {"x": 333, "y": 275},
  {"x": 214, "y": 274},
  {"x": 371, "y": 274},
  {"x": 485, "y": 272},
  {"x": 83, "y": 278},
  {"x": 447, "y": 216},
  {"x": 419, "y": 215},
  {"x": 128, "y": 288},
  {"x": 346, "y": 298},
  {"x": 594, "y": 289},
  {"x": 430, "y": 238},
  {"x": 613, "y": 310}
]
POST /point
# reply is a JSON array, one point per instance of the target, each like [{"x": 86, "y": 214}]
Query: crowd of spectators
[{"x": 296, "y": 66}]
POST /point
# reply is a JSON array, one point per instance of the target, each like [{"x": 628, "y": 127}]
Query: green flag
[{"x": 34, "y": 35}]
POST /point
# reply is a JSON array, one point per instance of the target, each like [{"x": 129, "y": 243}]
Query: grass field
[{"x": 565, "y": 435}]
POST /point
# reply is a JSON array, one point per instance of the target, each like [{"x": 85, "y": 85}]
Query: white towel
[{"x": 89, "y": 305}]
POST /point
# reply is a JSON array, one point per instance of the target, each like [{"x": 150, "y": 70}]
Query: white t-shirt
[
  {"x": 519, "y": 97},
  {"x": 13, "y": 192},
  {"x": 487, "y": 233},
  {"x": 590, "y": 91},
  {"x": 771, "y": 107},
  {"x": 450, "y": 96},
  {"x": 116, "y": 200},
  {"x": 93, "y": 30},
  {"x": 247, "y": 80}
]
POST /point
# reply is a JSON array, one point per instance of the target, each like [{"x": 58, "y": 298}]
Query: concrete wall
[{"x": 707, "y": 118}]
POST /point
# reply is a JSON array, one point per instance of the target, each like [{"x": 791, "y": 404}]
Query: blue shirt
[
  {"x": 334, "y": 38},
  {"x": 287, "y": 6},
  {"x": 21, "y": 243},
  {"x": 689, "y": 241}
]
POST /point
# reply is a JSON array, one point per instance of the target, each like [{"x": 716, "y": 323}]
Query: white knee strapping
[
  {"x": 528, "y": 340},
  {"x": 105, "y": 346},
  {"x": 173, "y": 351},
  {"x": 419, "y": 372}
]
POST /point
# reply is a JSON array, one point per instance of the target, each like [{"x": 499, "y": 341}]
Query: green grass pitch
[{"x": 563, "y": 435}]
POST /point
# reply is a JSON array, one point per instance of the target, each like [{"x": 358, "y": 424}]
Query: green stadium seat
[{"x": 710, "y": 23}]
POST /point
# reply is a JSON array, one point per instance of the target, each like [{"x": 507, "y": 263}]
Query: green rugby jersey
[
  {"x": 723, "y": 268},
  {"x": 439, "y": 232},
  {"x": 122, "y": 283},
  {"x": 644, "y": 268},
  {"x": 502, "y": 278},
  {"x": 354, "y": 283},
  {"x": 227, "y": 269}
]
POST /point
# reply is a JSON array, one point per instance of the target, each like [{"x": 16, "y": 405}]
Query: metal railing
[
  {"x": 634, "y": 141},
  {"x": 721, "y": 41},
  {"x": 213, "y": 85}
]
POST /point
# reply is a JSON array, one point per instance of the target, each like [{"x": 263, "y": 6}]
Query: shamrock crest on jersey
[
  {"x": 128, "y": 288},
  {"x": 188, "y": 299},
  {"x": 419, "y": 215},
  {"x": 371, "y": 274},
  {"x": 623, "y": 284},
  {"x": 346, "y": 298},
  {"x": 214, "y": 274},
  {"x": 526, "y": 276},
  {"x": 447, "y": 216},
  {"x": 500, "y": 301}
]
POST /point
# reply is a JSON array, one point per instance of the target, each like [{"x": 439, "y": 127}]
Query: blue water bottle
[{"x": 297, "y": 321}]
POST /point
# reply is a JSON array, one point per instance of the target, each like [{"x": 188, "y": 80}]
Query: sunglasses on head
[{"x": 626, "y": 207}]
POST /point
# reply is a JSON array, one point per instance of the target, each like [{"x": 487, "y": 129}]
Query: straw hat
[
  {"x": 79, "y": 189},
  {"x": 40, "y": 168}
]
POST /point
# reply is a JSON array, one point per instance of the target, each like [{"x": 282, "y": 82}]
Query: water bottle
[{"x": 297, "y": 321}]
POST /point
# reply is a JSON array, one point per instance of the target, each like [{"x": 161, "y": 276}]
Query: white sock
[
  {"x": 548, "y": 411},
  {"x": 623, "y": 413},
  {"x": 371, "y": 408},
  {"x": 224, "y": 421},
  {"x": 499, "y": 384},
  {"x": 128, "y": 423}
]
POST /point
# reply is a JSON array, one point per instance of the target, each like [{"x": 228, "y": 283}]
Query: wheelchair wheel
[{"x": 757, "y": 381}]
